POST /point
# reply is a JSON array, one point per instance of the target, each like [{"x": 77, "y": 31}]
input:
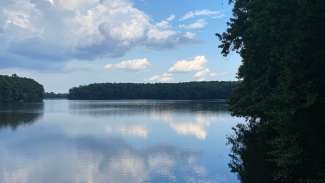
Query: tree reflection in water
[{"x": 14, "y": 115}]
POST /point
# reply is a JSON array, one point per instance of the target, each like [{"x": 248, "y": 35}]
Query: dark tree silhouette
[
  {"x": 281, "y": 43},
  {"x": 189, "y": 90},
  {"x": 18, "y": 89}
]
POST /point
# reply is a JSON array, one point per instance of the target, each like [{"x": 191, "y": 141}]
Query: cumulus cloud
[
  {"x": 204, "y": 12},
  {"x": 18, "y": 19},
  {"x": 165, "y": 24},
  {"x": 202, "y": 74},
  {"x": 195, "y": 64},
  {"x": 171, "y": 18},
  {"x": 199, "y": 24},
  {"x": 162, "y": 77},
  {"x": 60, "y": 30},
  {"x": 130, "y": 65}
]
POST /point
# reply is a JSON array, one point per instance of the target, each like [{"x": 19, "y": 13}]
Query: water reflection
[
  {"x": 197, "y": 128},
  {"x": 87, "y": 159},
  {"x": 99, "y": 142},
  {"x": 97, "y": 108},
  {"x": 194, "y": 121},
  {"x": 14, "y": 115},
  {"x": 131, "y": 130}
]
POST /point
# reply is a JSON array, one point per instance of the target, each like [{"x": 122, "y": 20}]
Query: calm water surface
[{"x": 63, "y": 141}]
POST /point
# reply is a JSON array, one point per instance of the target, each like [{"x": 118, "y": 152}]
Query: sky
[{"x": 67, "y": 43}]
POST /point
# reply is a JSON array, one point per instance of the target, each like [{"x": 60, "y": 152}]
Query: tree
[
  {"x": 281, "y": 43},
  {"x": 189, "y": 90},
  {"x": 18, "y": 89}
]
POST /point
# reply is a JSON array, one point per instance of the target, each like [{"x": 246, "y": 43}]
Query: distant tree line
[
  {"x": 19, "y": 89},
  {"x": 52, "y": 95},
  {"x": 176, "y": 91}
]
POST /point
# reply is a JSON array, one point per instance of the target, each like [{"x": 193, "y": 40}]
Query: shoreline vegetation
[
  {"x": 15, "y": 89},
  {"x": 19, "y": 89},
  {"x": 163, "y": 91},
  {"x": 53, "y": 95},
  {"x": 281, "y": 93}
]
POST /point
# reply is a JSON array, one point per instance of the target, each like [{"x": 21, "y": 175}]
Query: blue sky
[{"x": 66, "y": 43}]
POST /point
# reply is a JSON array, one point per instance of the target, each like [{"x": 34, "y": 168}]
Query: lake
[{"x": 119, "y": 141}]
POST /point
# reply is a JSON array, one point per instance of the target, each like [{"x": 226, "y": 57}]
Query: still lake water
[{"x": 130, "y": 141}]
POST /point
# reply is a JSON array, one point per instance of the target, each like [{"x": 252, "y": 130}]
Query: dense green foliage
[
  {"x": 190, "y": 90},
  {"x": 282, "y": 92},
  {"x": 18, "y": 89},
  {"x": 53, "y": 95}
]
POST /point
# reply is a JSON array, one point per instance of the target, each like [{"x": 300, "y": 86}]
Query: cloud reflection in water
[
  {"x": 159, "y": 111},
  {"x": 119, "y": 142},
  {"x": 87, "y": 159}
]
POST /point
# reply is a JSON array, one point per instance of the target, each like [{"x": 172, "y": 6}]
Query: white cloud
[
  {"x": 202, "y": 74},
  {"x": 158, "y": 34},
  {"x": 190, "y": 35},
  {"x": 19, "y": 19},
  {"x": 72, "y": 4},
  {"x": 39, "y": 31},
  {"x": 199, "y": 24},
  {"x": 205, "y": 12},
  {"x": 162, "y": 77},
  {"x": 165, "y": 24},
  {"x": 196, "y": 64},
  {"x": 171, "y": 18},
  {"x": 131, "y": 65},
  {"x": 52, "y": 2}
]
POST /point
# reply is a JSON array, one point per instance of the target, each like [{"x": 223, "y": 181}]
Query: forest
[
  {"x": 53, "y": 95},
  {"x": 176, "y": 91},
  {"x": 19, "y": 89},
  {"x": 281, "y": 93}
]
